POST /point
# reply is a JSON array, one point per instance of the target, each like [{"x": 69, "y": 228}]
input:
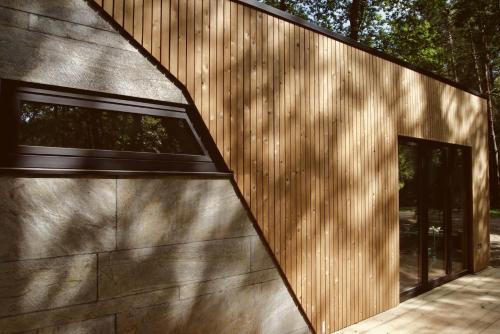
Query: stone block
[
  {"x": 76, "y": 11},
  {"x": 71, "y": 314},
  {"x": 261, "y": 259},
  {"x": 49, "y": 217},
  {"x": 33, "y": 285},
  {"x": 135, "y": 271},
  {"x": 227, "y": 283},
  {"x": 13, "y": 18},
  {"x": 252, "y": 309},
  {"x": 175, "y": 210},
  {"x": 78, "y": 32},
  {"x": 104, "y": 325},
  {"x": 35, "y": 57},
  {"x": 282, "y": 315}
]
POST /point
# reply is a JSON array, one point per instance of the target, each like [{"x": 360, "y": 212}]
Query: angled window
[{"x": 60, "y": 129}]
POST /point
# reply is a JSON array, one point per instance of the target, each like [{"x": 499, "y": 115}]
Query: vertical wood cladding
[{"x": 309, "y": 126}]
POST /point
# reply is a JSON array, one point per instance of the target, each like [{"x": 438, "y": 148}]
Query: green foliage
[
  {"x": 54, "y": 125},
  {"x": 406, "y": 165}
]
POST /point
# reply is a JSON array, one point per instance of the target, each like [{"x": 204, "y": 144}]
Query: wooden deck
[{"x": 470, "y": 304}]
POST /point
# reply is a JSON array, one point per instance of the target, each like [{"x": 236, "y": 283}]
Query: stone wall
[
  {"x": 66, "y": 43},
  {"x": 163, "y": 255}
]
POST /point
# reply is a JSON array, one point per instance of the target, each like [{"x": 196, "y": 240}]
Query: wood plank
[
  {"x": 240, "y": 84},
  {"x": 254, "y": 109},
  {"x": 292, "y": 230},
  {"x": 281, "y": 173},
  {"x": 205, "y": 64},
  {"x": 174, "y": 38},
  {"x": 118, "y": 13},
  {"x": 308, "y": 149},
  {"x": 165, "y": 34},
  {"x": 315, "y": 180},
  {"x": 108, "y": 5},
  {"x": 303, "y": 190},
  {"x": 156, "y": 32},
  {"x": 321, "y": 183},
  {"x": 272, "y": 131},
  {"x": 198, "y": 49},
  {"x": 265, "y": 122},
  {"x": 128, "y": 19},
  {"x": 182, "y": 46},
  {"x": 337, "y": 299},
  {"x": 233, "y": 139},
  {"x": 227, "y": 87},
  {"x": 276, "y": 156},
  {"x": 147, "y": 25},
  {"x": 286, "y": 154},
  {"x": 212, "y": 114},
  {"x": 330, "y": 153},
  {"x": 138, "y": 21},
  {"x": 219, "y": 112},
  {"x": 247, "y": 105},
  {"x": 190, "y": 45}
]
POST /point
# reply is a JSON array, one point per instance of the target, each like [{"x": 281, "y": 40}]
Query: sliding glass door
[
  {"x": 409, "y": 224},
  {"x": 434, "y": 200}
]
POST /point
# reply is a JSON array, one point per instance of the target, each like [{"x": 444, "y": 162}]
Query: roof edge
[{"x": 346, "y": 40}]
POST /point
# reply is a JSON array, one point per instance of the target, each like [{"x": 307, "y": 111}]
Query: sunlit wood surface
[
  {"x": 470, "y": 304},
  {"x": 309, "y": 126}
]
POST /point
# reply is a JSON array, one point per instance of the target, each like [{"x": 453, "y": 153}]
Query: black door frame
[{"x": 423, "y": 148}]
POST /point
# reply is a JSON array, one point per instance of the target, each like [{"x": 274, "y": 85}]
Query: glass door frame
[{"x": 423, "y": 149}]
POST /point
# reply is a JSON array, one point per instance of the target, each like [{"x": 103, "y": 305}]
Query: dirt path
[{"x": 495, "y": 242}]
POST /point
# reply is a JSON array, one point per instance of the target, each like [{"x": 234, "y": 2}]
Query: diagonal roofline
[{"x": 346, "y": 40}]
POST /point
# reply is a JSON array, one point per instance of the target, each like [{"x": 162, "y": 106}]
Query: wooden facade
[{"x": 310, "y": 127}]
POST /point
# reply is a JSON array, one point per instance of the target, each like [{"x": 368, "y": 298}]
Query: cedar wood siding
[{"x": 310, "y": 127}]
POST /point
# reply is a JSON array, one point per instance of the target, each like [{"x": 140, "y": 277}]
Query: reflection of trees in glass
[
  {"x": 406, "y": 164},
  {"x": 65, "y": 126}
]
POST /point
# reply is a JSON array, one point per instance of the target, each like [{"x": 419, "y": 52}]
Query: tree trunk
[
  {"x": 283, "y": 5},
  {"x": 356, "y": 12},
  {"x": 494, "y": 170},
  {"x": 493, "y": 148},
  {"x": 451, "y": 43},
  {"x": 476, "y": 62}
]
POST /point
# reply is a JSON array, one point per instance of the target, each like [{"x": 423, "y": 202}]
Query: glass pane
[
  {"x": 53, "y": 125},
  {"x": 409, "y": 244},
  {"x": 458, "y": 218},
  {"x": 436, "y": 194}
]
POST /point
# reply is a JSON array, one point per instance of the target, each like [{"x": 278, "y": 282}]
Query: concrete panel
[
  {"x": 94, "y": 326},
  {"x": 48, "y": 217},
  {"x": 77, "y": 11},
  {"x": 261, "y": 308},
  {"x": 128, "y": 272},
  {"x": 33, "y": 285},
  {"x": 175, "y": 210},
  {"x": 260, "y": 257},
  {"x": 77, "y": 313},
  {"x": 41, "y": 58},
  {"x": 13, "y": 18},
  {"x": 227, "y": 283},
  {"x": 78, "y": 32}
]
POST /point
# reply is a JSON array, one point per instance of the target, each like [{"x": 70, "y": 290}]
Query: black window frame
[{"x": 41, "y": 159}]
